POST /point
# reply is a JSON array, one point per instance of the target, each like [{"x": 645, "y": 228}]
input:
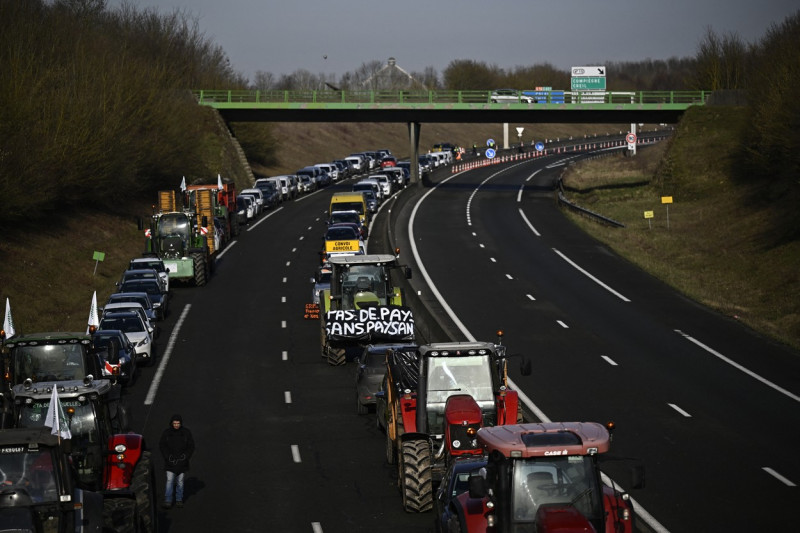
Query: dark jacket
[{"x": 177, "y": 447}]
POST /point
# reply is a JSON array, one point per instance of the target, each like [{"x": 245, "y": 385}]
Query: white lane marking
[
  {"x": 316, "y": 527},
  {"x": 288, "y": 263},
  {"x": 779, "y": 477},
  {"x": 509, "y": 276},
  {"x": 251, "y": 228},
  {"x": 482, "y": 246},
  {"x": 309, "y": 228},
  {"x": 225, "y": 251},
  {"x": 529, "y": 178},
  {"x": 294, "y": 250},
  {"x": 528, "y": 222},
  {"x": 475, "y": 191},
  {"x": 609, "y": 360},
  {"x": 151, "y": 393},
  {"x": 640, "y": 511},
  {"x": 530, "y": 297},
  {"x": 302, "y": 237},
  {"x": 493, "y": 260},
  {"x": 287, "y": 396},
  {"x": 736, "y": 365},
  {"x": 284, "y": 355},
  {"x": 562, "y": 324},
  {"x": 296, "y": 453},
  {"x": 284, "y": 280},
  {"x": 584, "y": 272},
  {"x": 283, "y": 299},
  {"x": 681, "y": 411},
  {"x": 283, "y": 324}
]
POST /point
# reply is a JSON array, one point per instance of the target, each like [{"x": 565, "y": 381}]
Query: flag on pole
[
  {"x": 183, "y": 184},
  {"x": 56, "y": 419},
  {"x": 219, "y": 182},
  {"x": 8, "y": 322},
  {"x": 93, "y": 318}
]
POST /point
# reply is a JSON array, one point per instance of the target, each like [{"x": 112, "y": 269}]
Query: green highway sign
[{"x": 589, "y": 83}]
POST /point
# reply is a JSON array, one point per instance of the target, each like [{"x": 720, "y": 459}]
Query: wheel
[
  {"x": 361, "y": 409},
  {"x": 199, "y": 263},
  {"x": 336, "y": 356},
  {"x": 143, "y": 484},
  {"x": 120, "y": 515},
  {"x": 417, "y": 482}
]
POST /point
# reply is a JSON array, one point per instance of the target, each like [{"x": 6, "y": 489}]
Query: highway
[{"x": 705, "y": 404}]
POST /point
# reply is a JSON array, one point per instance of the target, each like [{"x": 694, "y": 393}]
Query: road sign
[
  {"x": 666, "y": 199},
  {"x": 587, "y": 83},
  {"x": 648, "y": 214},
  {"x": 631, "y": 138},
  {"x": 489, "y": 142},
  {"x": 588, "y": 71},
  {"x": 540, "y": 146},
  {"x": 519, "y": 131},
  {"x": 490, "y": 153}
]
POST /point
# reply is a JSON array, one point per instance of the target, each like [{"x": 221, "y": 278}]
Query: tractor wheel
[
  {"x": 143, "y": 484},
  {"x": 199, "y": 262},
  {"x": 336, "y": 356},
  {"x": 417, "y": 483},
  {"x": 120, "y": 515}
]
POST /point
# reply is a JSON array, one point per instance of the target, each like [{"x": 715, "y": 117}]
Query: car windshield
[
  {"x": 49, "y": 362},
  {"x": 26, "y": 470},
  {"x": 337, "y": 217},
  {"x": 341, "y": 234},
  {"x": 128, "y": 324},
  {"x": 122, "y": 297},
  {"x": 155, "y": 265},
  {"x": 141, "y": 286},
  {"x": 563, "y": 480}
]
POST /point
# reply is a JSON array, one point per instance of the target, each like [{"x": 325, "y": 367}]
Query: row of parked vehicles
[{"x": 454, "y": 430}]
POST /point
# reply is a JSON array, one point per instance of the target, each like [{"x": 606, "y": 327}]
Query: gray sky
[{"x": 287, "y": 35}]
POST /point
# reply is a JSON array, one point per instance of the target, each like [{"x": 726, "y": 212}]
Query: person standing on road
[{"x": 177, "y": 447}]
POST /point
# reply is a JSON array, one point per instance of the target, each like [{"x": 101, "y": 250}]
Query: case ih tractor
[
  {"x": 104, "y": 458},
  {"x": 362, "y": 306},
  {"x": 184, "y": 239},
  {"x": 437, "y": 398},
  {"x": 542, "y": 477}
]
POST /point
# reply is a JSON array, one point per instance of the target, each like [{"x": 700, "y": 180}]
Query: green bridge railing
[{"x": 435, "y": 98}]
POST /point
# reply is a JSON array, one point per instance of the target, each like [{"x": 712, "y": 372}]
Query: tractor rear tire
[
  {"x": 200, "y": 269},
  {"x": 336, "y": 356},
  {"x": 143, "y": 484},
  {"x": 120, "y": 515},
  {"x": 417, "y": 482}
]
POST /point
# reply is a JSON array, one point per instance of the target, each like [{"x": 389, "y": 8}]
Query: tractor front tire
[
  {"x": 417, "y": 482},
  {"x": 143, "y": 484},
  {"x": 200, "y": 269},
  {"x": 120, "y": 515}
]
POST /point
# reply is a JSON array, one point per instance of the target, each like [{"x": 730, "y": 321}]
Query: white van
[
  {"x": 282, "y": 183},
  {"x": 259, "y": 198},
  {"x": 356, "y": 163}
]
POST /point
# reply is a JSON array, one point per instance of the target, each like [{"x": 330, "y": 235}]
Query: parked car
[
  {"x": 330, "y": 169},
  {"x": 247, "y": 205},
  {"x": 272, "y": 197},
  {"x": 119, "y": 355},
  {"x": 155, "y": 263},
  {"x": 142, "y": 298},
  {"x": 259, "y": 196},
  {"x": 349, "y": 217},
  {"x": 344, "y": 169},
  {"x": 385, "y": 183},
  {"x": 135, "y": 329},
  {"x": 143, "y": 273},
  {"x": 115, "y": 307},
  {"x": 375, "y": 185},
  {"x": 256, "y": 208},
  {"x": 159, "y": 298}
]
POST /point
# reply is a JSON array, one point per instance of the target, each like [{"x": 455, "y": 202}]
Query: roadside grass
[{"x": 717, "y": 245}]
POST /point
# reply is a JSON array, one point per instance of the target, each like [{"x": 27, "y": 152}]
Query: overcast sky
[{"x": 330, "y": 37}]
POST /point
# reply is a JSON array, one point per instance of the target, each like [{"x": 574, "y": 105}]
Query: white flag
[
  {"x": 183, "y": 184},
  {"x": 94, "y": 320},
  {"x": 56, "y": 418},
  {"x": 219, "y": 182},
  {"x": 8, "y": 322}
]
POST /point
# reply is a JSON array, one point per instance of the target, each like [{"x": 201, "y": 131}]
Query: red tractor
[
  {"x": 543, "y": 478},
  {"x": 434, "y": 401}
]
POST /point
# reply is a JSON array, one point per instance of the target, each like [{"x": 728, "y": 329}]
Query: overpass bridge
[{"x": 467, "y": 107}]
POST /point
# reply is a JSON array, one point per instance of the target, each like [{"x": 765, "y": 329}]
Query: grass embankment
[{"x": 724, "y": 245}]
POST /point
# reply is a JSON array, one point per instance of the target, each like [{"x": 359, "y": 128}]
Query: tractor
[
  {"x": 184, "y": 239},
  {"x": 362, "y": 306},
  {"x": 543, "y": 477},
  {"x": 435, "y": 399},
  {"x": 104, "y": 456},
  {"x": 223, "y": 204}
]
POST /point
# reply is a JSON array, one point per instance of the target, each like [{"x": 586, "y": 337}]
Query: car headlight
[{"x": 144, "y": 342}]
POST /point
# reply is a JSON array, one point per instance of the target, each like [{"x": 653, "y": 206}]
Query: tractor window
[
  {"x": 563, "y": 480},
  {"x": 173, "y": 225},
  {"x": 49, "y": 362},
  {"x": 447, "y": 376},
  {"x": 30, "y": 472}
]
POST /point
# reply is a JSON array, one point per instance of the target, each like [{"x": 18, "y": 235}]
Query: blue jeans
[{"x": 172, "y": 477}]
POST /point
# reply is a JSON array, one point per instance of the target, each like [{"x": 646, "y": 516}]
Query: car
[
  {"x": 388, "y": 161},
  {"x": 344, "y": 168},
  {"x": 153, "y": 262},
  {"x": 372, "y": 200},
  {"x": 159, "y": 298},
  {"x": 307, "y": 185},
  {"x": 425, "y": 166},
  {"x": 142, "y": 298},
  {"x": 315, "y": 173},
  {"x": 370, "y": 370},
  {"x": 321, "y": 281},
  {"x": 135, "y": 329},
  {"x": 119, "y": 361},
  {"x": 136, "y": 307},
  {"x": 246, "y": 204},
  {"x": 385, "y": 183},
  {"x": 350, "y": 217},
  {"x": 258, "y": 195},
  {"x": 272, "y": 198},
  {"x": 221, "y": 235},
  {"x": 509, "y": 95},
  {"x": 143, "y": 273},
  {"x": 256, "y": 208},
  {"x": 343, "y": 239},
  {"x": 331, "y": 169},
  {"x": 371, "y": 184},
  {"x": 454, "y": 482},
  {"x": 397, "y": 175}
]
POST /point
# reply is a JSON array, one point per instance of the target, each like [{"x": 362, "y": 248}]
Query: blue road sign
[
  {"x": 490, "y": 153},
  {"x": 540, "y": 146},
  {"x": 489, "y": 142}
]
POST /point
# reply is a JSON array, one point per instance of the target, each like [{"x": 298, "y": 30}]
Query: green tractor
[{"x": 184, "y": 239}]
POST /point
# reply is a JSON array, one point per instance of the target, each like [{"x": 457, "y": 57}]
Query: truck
[
  {"x": 105, "y": 456},
  {"x": 543, "y": 477},
  {"x": 184, "y": 238},
  {"x": 363, "y": 306},
  {"x": 436, "y": 400}
]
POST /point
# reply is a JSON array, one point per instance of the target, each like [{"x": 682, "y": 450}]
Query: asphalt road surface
[{"x": 709, "y": 408}]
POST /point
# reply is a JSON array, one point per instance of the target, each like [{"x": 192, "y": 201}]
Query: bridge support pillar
[{"x": 413, "y": 138}]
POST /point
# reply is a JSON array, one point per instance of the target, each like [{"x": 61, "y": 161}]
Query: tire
[
  {"x": 336, "y": 356},
  {"x": 417, "y": 483},
  {"x": 120, "y": 515},
  {"x": 143, "y": 484},
  {"x": 199, "y": 262}
]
